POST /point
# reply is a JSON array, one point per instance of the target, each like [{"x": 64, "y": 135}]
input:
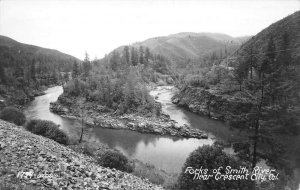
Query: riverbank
[
  {"x": 228, "y": 107},
  {"x": 44, "y": 163},
  {"x": 20, "y": 97},
  {"x": 212, "y": 103},
  {"x": 98, "y": 116}
]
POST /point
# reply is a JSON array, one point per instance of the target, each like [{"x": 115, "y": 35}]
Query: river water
[{"x": 167, "y": 153}]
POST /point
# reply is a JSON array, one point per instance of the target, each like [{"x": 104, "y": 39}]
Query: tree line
[
  {"x": 22, "y": 73},
  {"x": 120, "y": 80}
]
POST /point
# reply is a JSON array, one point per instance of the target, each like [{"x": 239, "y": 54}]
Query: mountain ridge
[
  {"x": 184, "y": 46},
  {"x": 189, "y": 45},
  {"x": 10, "y": 43},
  {"x": 289, "y": 25}
]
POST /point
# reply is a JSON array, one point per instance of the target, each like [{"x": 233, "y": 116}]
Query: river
[{"x": 164, "y": 152}]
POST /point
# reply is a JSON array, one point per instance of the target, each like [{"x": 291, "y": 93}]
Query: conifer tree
[
  {"x": 134, "y": 56},
  {"x": 141, "y": 55},
  {"x": 86, "y": 65},
  {"x": 147, "y": 55},
  {"x": 75, "y": 70},
  {"x": 127, "y": 55},
  {"x": 33, "y": 70},
  {"x": 2, "y": 74}
]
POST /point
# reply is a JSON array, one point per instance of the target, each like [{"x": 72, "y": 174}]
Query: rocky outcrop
[
  {"x": 210, "y": 103},
  {"x": 95, "y": 116},
  {"x": 41, "y": 162}
]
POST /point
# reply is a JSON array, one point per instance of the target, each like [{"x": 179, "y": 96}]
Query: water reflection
[
  {"x": 214, "y": 128},
  {"x": 39, "y": 109},
  {"x": 168, "y": 153}
]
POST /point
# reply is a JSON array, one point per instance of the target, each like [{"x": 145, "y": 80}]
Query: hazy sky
[{"x": 76, "y": 26}]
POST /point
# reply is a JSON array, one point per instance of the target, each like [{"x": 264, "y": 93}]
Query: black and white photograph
[{"x": 150, "y": 94}]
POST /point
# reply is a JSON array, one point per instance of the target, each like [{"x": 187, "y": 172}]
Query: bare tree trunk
[
  {"x": 254, "y": 161},
  {"x": 81, "y": 131},
  {"x": 251, "y": 64},
  {"x": 208, "y": 108}
]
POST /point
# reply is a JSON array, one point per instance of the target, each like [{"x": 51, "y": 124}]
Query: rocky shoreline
[
  {"x": 96, "y": 117},
  {"x": 35, "y": 162},
  {"x": 211, "y": 103}
]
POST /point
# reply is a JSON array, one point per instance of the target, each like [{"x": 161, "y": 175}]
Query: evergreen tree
[
  {"x": 134, "y": 56},
  {"x": 19, "y": 72},
  {"x": 2, "y": 74},
  {"x": 127, "y": 55},
  {"x": 75, "y": 70},
  {"x": 129, "y": 90},
  {"x": 54, "y": 77},
  {"x": 268, "y": 63},
  {"x": 141, "y": 55},
  {"x": 240, "y": 73},
  {"x": 33, "y": 70},
  {"x": 115, "y": 61},
  {"x": 251, "y": 59},
  {"x": 226, "y": 53},
  {"x": 86, "y": 65},
  {"x": 147, "y": 55}
]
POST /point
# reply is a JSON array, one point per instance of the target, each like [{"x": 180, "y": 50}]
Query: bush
[
  {"x": 89, "y": 149},
  {"x": 47, "y": 129},
  {"x": 13, "y": 115},
  {"x": 210, "y": 157},
  {"x": 149, "y": 172},
  {"x": 117, "y": 160}
]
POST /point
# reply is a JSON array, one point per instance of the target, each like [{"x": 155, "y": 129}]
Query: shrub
[
  {"x": 149, "y": 172},
  {"x": 89, "y": 149},
  {"x": 47, "y": 129},
  {"x": 13, "y": 115},
  {"x": 114, "y": 159},
  {"x": 210, "y": 157}
]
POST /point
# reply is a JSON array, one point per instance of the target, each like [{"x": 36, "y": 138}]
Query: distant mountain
[
  {"x": 190, "y": 45},
  {"x": 289, "y": 26},
  {"x": 243, "y": 39}
]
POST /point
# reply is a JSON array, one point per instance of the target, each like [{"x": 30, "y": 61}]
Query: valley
[{"x": 162, "y": 104}]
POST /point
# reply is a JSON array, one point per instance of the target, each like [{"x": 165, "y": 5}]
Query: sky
[{"x": 99, "y": 26}]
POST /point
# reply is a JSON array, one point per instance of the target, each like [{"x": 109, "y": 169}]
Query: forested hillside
[
  {"x": 27, "y": 69},
  {"x": 284, "y": 33},
  {"x": 257, "y": 90},
  {"x": 183, "y": 48}
]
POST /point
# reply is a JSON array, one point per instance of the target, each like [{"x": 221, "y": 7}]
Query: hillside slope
[
  {"x": 282, "y": 80},
  {"x": 35, "y": 50},
  {"x": 190, "y": 45},
  {"x": 22, "y": 151},
  {"x": 25, "y": 70},
  {"x": 289, "y": 26},
  {"x": 258, "y": 93}
]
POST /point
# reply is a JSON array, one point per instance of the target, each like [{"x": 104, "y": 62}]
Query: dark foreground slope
[{"x": 43, "y": 163}]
